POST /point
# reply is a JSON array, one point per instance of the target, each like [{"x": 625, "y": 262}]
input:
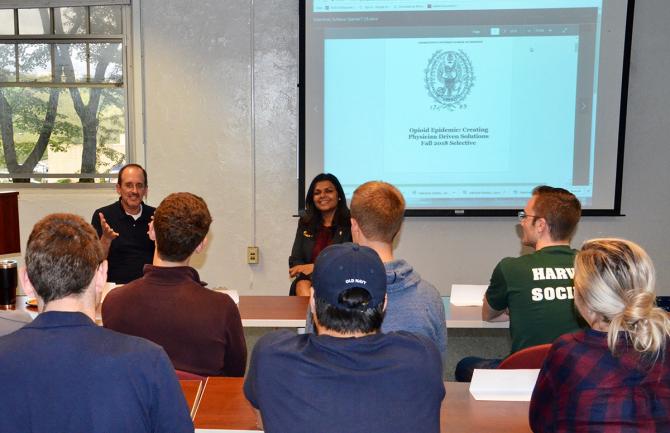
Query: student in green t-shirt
[{"x": 535, "y": 290}]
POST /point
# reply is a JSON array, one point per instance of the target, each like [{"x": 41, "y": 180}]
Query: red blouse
[{"x": 323, "y": 238}]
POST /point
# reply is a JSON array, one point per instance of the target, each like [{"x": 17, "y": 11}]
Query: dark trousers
[{"x": 467, "y": 365}]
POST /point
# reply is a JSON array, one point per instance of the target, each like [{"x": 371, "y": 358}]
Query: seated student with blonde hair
[{"x": 616, "y": 375}]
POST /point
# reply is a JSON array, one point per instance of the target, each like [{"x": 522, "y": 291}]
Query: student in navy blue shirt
[
  {"x": 349, "y": 377},
  {"x": 62, "y": 372}
]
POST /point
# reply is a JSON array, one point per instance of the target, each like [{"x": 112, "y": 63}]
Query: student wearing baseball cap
[{"x": 348, "y": 376}]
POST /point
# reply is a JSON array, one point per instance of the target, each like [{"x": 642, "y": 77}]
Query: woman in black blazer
[{"x": 326, "y": 221}]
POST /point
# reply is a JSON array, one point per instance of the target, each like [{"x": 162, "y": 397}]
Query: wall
[{"x": 198, "y": 129}]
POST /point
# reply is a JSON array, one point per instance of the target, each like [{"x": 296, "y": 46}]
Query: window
[{"x": 63, "y": 93}]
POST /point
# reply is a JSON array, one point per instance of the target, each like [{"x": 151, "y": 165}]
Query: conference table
[
  {"x": 291, "y": 312},
  {"x": 273, "y": 311},
  {"x": 192, "y": 390},
  {"x": 220, "y": 406},
  {"x": 255, "y": 311}
]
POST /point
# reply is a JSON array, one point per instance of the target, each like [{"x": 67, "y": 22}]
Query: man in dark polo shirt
[
  {"x": 536, "y": 290},
  {"x": 348, "y": 377},
  {"x": 62, "y": 372},
  {"x": 123, "y": 226},
  {"x": 200, "y": 329}
]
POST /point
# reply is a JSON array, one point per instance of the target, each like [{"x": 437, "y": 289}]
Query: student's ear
[
  {"x": 312, "y": 310},
  {"x": 26, "y": 285},
  {"x": 100, "y": 277},
  {"x": 201, "y": 246},
  {"x": 355, "y": 231},
  {"x": 541, "y": 225},
  {"x": 151, "y": 232}
]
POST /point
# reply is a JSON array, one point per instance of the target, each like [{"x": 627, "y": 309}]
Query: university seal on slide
[{"x": 449, "y": 78}]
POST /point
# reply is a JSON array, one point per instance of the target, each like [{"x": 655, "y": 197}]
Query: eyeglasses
[
  {"x": 130, "y": 185},
  {"x": 523, "y": 215}
]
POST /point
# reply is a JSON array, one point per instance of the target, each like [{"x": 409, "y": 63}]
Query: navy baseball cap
[{"x": 344, "y": 266}]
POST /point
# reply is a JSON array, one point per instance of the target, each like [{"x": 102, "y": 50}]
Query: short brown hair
[
  {"x": 378, "y": 208},
  {"x": 181, "y": 222},
  {"x": 62, "y": 256},
  {"x": 560, "y": 208}
]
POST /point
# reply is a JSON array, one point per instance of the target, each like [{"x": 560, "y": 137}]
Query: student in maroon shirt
[
  {"x": 200, "y": 329},
  {"x": 614, "y": 377}
]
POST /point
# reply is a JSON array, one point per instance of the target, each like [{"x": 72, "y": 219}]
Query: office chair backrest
[
  {"x": 186, "y": 375},
  {"x": 530, "y": 357}
]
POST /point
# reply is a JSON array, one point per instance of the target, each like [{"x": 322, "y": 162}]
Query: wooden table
[
  {"x": 224, "y": 407},
  {"x": 468, "y": 317},
  {"x": 192, "y": 390},
  {"x": 256, "y": 311},
  {"x": 273, "y": 311},
  {"x": 461, "y": 413},
  {"x": 291, "y": 312}
]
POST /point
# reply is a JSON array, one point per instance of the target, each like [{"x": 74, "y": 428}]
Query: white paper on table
[
  {"x": 503, "y": 385},
  {"x": 232, "y": 293},
  {"x": 467, "y": 295}
]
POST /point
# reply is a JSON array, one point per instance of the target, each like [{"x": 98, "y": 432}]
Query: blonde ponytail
[
  {"x": 615, "y": 279},
  {"x": 645, "y": 325}
]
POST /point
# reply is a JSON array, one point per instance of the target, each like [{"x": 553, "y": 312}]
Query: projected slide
[
  {"x": 461, "y": 107},
  {"x": 456, "y": 108}
]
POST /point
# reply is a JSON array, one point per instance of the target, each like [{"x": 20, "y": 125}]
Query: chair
[
  {"x": 187, "y": 375},
  {"x": 530, "y": 357}
]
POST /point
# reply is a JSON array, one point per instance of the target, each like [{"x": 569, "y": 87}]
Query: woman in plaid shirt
[{"x": 614, "y": 377}]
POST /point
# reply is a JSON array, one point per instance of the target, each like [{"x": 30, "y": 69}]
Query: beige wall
[{"x": 197, "y": 93}]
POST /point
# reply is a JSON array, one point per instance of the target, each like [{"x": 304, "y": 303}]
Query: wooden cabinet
[{"x": 9, "y": 222}]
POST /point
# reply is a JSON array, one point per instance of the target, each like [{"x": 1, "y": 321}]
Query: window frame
[{"x": 129, "y": 20}]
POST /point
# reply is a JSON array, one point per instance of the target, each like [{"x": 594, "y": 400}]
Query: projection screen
[{"x": 466, "y": 105}]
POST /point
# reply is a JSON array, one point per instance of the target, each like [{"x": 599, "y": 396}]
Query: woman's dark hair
[{"x": 312, "y": 216}]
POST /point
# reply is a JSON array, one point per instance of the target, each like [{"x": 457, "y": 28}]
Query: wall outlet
[{"x": 252, "y": 255}]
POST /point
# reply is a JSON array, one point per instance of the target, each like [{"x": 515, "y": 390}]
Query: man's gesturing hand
[{"x": 108, "y": 233}]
